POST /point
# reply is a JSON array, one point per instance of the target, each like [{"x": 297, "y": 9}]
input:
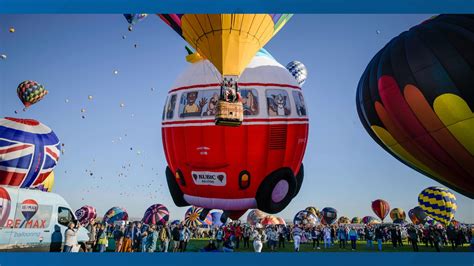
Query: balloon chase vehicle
[{"x": 255, "y": 165}]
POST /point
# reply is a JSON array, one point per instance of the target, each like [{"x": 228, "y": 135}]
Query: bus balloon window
[
  {"x": 210, "y": 99},
  {"x": 164, "y": 108},
  {"x": 190, "y": 104},
  {"x": 299, "y": 102},
  {"x": 249, "y": 101},
  {"x": 278, "y": 102},
  {"x": 170, "y": 107},
  {"x": 65, "y": 216}
]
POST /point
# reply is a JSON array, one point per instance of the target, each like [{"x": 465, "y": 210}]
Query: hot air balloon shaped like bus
[{"x": 256, "y": 165}]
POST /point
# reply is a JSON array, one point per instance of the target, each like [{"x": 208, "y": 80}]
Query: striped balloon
[
  {"x": 398, "y": 215},
  {"x": 343, "y": 220},
  {"x": 191, "y": 217},
  {"x": 85, "y": 214},
  {"x": 356, "y": 220},
  {"x": 380, "y": 208},
  {"x": 439, "y": 203},
  {"x": 305, "y": 218},
  {"x": 314, "y": 211},
  {"x": 156, "y": 214}
]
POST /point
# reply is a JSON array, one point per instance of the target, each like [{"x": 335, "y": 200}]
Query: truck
[{"x": 33, "y": 220}]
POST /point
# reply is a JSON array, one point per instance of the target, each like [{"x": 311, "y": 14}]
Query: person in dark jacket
[
  {"x": 393, "y": 236},
  {"x": 379, "y": 237},
  {"x": 413, "y": 235}
]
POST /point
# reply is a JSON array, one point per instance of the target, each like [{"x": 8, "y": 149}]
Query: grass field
[{"x": 196, "y": 244}]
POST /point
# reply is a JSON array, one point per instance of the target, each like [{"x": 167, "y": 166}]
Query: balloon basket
[{"x": 229, "y": 114}]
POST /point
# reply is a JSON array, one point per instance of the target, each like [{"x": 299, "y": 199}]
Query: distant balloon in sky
[
  {"x": 115, "y": 72},
  {"x": 416, "y": 100},
  {"x": 132, "y": 19},
  {"x": 11, "y": 30},
  {"x": 90, "y": 97},
  {"x": 3, "y": 56},
  {"x": 83, "y": 110},
  {"x": 29, "y": 151},
  {"x": 30, "y": 92},
  {"x": 377, "y": 31},
  {"x": 299, "y": 71}
]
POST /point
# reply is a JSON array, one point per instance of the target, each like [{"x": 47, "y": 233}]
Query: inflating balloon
[
  {"x": 439, "y": 203},
  {"x": 156, "y": 214},
  {"x": 415, "y": 99},
  {"x": 202, "y": 163},
  {"x": 356, "y": 220},
  {"x": 380, "y": 208},
  {"x": 314, "y": 211},
  {"x": 216, "y": 219},
  {"x": 255, "y": 216},
  {"x": 85, "y": 214},
  {"x": 417, "y": 215},
  {"x": 329, "y": 215},
  {"x": 298, "y": 70},
  {"x": 191, "y": 217},
  {"x": 370, "y": 220},
  {"x": 115, "y": 214},
  {"x": 397, "y": 215},
  {"x": 305, "y": 218},
  {"x": 30, "y": 92},
  {"x": 270, "y": 220},
  {"x": 29, "y": 151},
  {"x": 5, "y": 206},
  {"x": 343, "y": 220}
]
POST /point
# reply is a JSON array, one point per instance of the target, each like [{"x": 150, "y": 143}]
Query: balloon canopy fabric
[
  {"x": 299, "y": 71},
  {"x": 415, "y": 99},
  {"x": 370, "y": 220},
  {"x": 329, "y": 215},
  {"x": 270, "y": 220},
  {"x": 156, "y": 214},
  {"x": 48, "y": 184},
  {"x": 439, "y": 203},
  {"x": 132, "y": 19},
  {"x": 228, "y": 41},
  {"x": 314, "y": 211},
  {"x": 281, "y": 221},
  {"x": 216, "y": 219},
  {"x": 255, "y": 216},
  {"x": 417, "y": 215},
  {"x": 380, "y": 208},
  {"x": 397, "y": 215},
  {"x": 29, "y": 151},
  {"x": 5, "y": 202},
  {"x": 343, "y": 220},
  {"x": 85, "y": 214},
  {"x": 356, "y": 220},
  {"x": 191, "y": 217},
  {"x": 30, "y": 92},
  {"x": 305, "y": 217},
  {"x": 115, "y": 214}
]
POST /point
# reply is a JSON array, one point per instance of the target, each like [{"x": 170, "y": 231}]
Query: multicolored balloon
[
  {"x": 370, "y": 220},
  {"x": 175, "y": 222},
  {"x": 216, "y": 219},
  {"x": 85, "y": 214},
  {"x": 156, "y": 214},
  {"x": 398, "y": 215},
  {"x": 255, "y": 216},
  {"x": 415, "y": 100},
  {"x": 228, "y": 46},
  {"x": 299, "y": 71},
  {"x": 270, "y": 220},
  {"x": 380, "y": 208},
  {"x": 356, "y": 220},
  {"x": 305, "y": 218},
  {"x": 439, "y": 203},
  {"x": 329, "y": 215},
  {"x": 115, "y": 214},
  {"x": 132, "y": 19},
  {"x": 191, "y": 217},
  {"x": 30, "y": 92},
  {"x": 314, "y": 211},
  {"x": 29, "y": 151},
  {"x": 418, "y": 216},
  {"x": 47, "y": 184},
  {"x": 5, "y": 206},
  {"x": 343, "y": 220}
]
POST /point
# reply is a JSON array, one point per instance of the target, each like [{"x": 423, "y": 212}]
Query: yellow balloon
[{"x": 48, "y": 183}]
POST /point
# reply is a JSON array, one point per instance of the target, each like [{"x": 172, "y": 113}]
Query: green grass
[{"x": 196, "y": 244}]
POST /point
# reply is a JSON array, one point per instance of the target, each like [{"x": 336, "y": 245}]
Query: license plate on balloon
[{"x": 209, "y": 178}]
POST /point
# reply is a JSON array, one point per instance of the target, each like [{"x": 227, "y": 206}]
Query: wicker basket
[{"x": 229, "y": 114}]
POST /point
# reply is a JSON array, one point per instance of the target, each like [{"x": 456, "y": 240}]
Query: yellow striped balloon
[{"x": 439, "y": 203}]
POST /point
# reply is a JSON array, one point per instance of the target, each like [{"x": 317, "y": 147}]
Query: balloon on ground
[
  {"x": 156, "y": 214},
  {"x": 439, "y": 203}
]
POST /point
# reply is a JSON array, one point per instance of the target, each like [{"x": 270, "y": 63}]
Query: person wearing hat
[{"x": 257, "y": 238}]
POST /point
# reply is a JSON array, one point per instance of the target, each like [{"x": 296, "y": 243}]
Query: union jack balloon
[{"x": 29, "y": 151}]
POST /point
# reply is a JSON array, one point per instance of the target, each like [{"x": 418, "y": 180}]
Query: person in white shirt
[
  {"x": 327, "y": 237},
  {"x": 257, "y": 238},
  {"x": 297, "y": 233},
  {"x": 70, "y": 237}
]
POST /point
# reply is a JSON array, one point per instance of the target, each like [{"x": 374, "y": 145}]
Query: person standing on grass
[
  {"x": 246, "y": 236},
  {"x": 238, "y": 232},
  {"x": 187, "y": 238},
  {"x": 152, "y": 239},
  {"x": 315, "y": 237},
  {"x": 399, "y": 236},
  {"x": 70, "y": 237},
  {"x": 297, "y": 234},
  {"x": 219, "y": 237},
  {"x": 413, "y": 235},
  {"x": 175, "y": 235},
  {"x": 102, "y": 241},
  {"x": 353, "y": 238},
  {"x": 369, "y": 237},
  {"x": 327, "y": 237},
  {"x": 341, "y": 235},
  {"x": 379, "y": 237},
  {"x": 118, "y": 237},
  {"x": 281, "y": 236}
]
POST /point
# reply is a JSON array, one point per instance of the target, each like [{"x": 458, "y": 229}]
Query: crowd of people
[{"x": 138, "y": 237}]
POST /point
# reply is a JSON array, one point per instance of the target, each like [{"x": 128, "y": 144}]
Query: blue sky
[{"x": 75, "y": 56}]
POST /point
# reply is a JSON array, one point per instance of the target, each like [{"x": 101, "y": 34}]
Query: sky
[{"x": 114, "y": 156}]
